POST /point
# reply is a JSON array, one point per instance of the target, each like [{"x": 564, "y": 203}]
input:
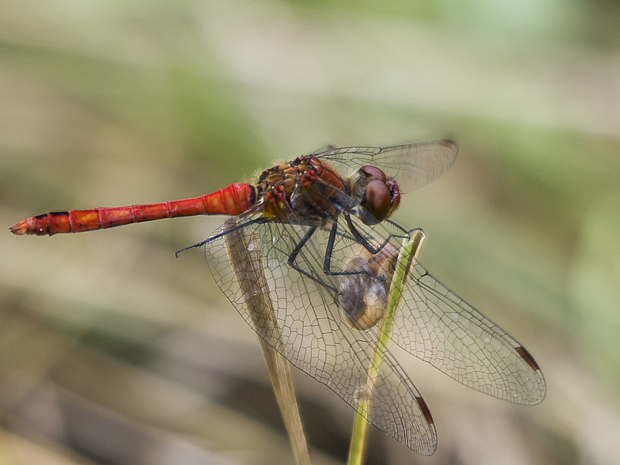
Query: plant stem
[
  {"x": 408, "y": 253},
  {"x": 247, "y": 264}
]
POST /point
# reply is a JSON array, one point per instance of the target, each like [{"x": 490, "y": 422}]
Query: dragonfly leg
[
  {"x": 362, "y": 240},
  {"x": 223, "y": 233},
  {"x": 328, "y": 256},
  {"x": 406, "y": 233},
  {"x": 291, "y": 259}
]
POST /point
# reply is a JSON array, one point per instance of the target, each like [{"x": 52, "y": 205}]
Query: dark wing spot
[
  {"x": 425, "y": 410},
  {"x": 525, "y": 355}
]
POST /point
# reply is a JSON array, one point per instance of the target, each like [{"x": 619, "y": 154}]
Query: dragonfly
[{"x": 325, "y": 241}]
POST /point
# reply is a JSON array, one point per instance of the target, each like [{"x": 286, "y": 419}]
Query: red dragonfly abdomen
[{"x": 231, "y": 200}]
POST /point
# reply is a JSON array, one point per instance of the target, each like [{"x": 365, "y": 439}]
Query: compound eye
[
  {"x": 374, "y": 172},
  {"x": 378, "y": 200}
]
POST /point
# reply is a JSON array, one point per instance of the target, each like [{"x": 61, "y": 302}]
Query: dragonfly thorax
[{"x": 304, "y": 191}]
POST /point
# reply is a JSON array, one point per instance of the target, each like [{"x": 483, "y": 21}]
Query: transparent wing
[
  {"x": 273, "y": 273},
  {"x": 306, "y": 325},
  {"x": 412, "y": 165},
  {"x": 437, "y": 326}
]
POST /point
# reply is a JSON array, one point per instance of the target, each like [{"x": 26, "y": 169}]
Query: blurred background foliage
[{"x": 113, "y": 352}]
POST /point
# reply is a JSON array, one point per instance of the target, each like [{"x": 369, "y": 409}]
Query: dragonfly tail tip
[{"x": 20, "y": 228}]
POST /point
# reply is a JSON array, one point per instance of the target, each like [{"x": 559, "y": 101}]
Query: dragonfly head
[{"x": 381, "y": 196}]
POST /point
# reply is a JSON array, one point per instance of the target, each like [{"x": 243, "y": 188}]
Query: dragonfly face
[{"x": 381, "y": 195}]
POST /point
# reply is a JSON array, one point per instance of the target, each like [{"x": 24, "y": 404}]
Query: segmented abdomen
[{"x": 231, "y": 200}]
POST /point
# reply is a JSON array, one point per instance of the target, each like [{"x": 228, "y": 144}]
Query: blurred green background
[{"x": 114, "y": 352}]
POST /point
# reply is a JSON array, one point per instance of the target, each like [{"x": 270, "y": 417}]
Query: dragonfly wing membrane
[
  {"x": 439, "y": 327},
  {"x": 442, "y": 329},
  {"x": 412, "y": 165},
  {"x": 313, "y": 334}
]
